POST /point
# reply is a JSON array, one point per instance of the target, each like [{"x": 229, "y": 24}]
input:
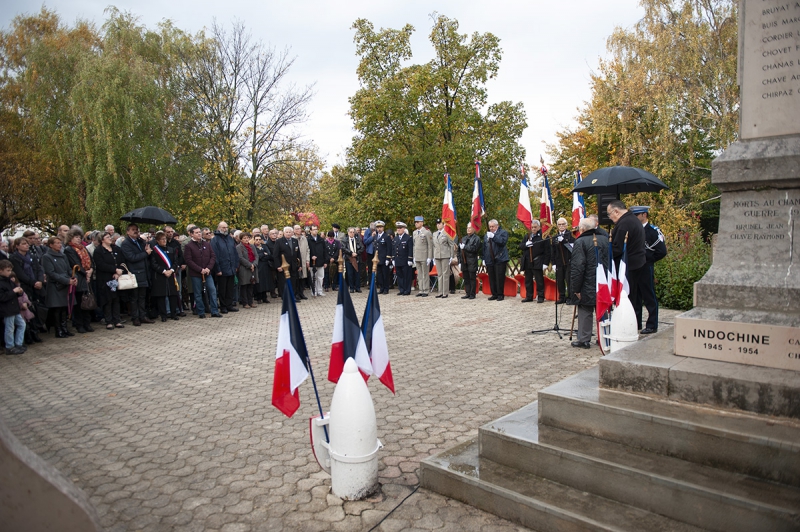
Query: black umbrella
[
  {"x": 149, "y": 215},
  {"x": 619, "y": 180}
]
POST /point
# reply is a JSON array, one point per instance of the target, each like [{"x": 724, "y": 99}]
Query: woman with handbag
[
  {"x": 58, "y": 275},
  {"x": 85, "y": 302},
  {"x": 248, "y": 271},
  {"x": 165, "y": 283},
  {"x": 108, "y": 263}
]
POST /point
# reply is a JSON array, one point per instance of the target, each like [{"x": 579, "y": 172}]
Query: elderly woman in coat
[
  {"x": 82, "y": 264},
  {"x": 248, "y": 271},
  {"x": 264, "y": 285},
  {"x": 59, "y": 278}
]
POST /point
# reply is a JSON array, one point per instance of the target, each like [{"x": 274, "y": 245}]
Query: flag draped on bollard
[
  {"x": 291, "y": 357},
  {"x": 375, "y": 338},
  {"x": 347, "y": 341}
]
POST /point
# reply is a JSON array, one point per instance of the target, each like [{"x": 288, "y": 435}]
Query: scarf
[
  {"x": 27, "y": 264},
  {"x": 250, "y": 255},
  {"x": 86, "y": 260}
]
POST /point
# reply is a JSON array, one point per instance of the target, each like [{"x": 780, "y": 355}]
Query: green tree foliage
[
  {"x": 665, "y": 100},
  {"x": 412, "y": 120}
]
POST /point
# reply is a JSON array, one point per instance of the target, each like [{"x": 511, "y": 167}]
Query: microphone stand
[{"x": 555, "y": 327}]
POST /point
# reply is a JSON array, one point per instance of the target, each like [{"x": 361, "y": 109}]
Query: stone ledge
[
  {"x": 648, "y": 367},
  {"x": 758, "y": 163}
]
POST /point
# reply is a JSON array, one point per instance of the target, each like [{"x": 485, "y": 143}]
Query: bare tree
[{"x": 250, "y": 113}]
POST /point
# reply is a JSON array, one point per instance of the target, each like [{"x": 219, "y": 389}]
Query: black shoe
[
  {"x": 14, "y": 351},
  {"x": 60, "y": 333},
  {"x": 582, "y": 345},
  {"x": 175, "y": 317},
  {"x": 80, "y": 330},
  {"x": 304, "y": 297},
  {"x": 233, "y": 309},
  {"x": 88, "y": 328},
  {"x": 424, "y": 294},
  {"x": 439, "y": 296},
  {"x": 35, "y": 336},
  {"x": 217, "y": 315},
  {"x": 540, "y": 300},
  {"x": 452, "y": 291},
  {"x": 472, "y": 297},
  {"x": 201, "y": 316},
  {"x": 444, "y": 296},
  {"x": 648, "y": 330},
  {"x": 500, "y": 298},
  {"x": 420, "y": 294},
  {"x": 492, "y": 298},
  {"x": 357, "y": 290},
  {"x": 147, "y": 320},
  {"x": 527, "y": 301},
  {"x": 163, "y": 319},
  {"x": 561, "y": 300},
  {"x": 464, "y": 297},
  {"x": 182, "y": 314},
  {"x": 137, "y": 323},
  {"x": 224, "y": 311}
]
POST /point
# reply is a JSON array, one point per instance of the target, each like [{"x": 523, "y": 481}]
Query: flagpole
[{"x": 288, "y": 286}]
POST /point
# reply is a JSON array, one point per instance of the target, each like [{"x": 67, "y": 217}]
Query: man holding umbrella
[{"x": 627, "y": 226}]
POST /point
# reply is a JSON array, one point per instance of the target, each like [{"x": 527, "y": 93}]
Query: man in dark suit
[
  {"x": 403, "y": 259},
  {"x": 287, "y": 248},
  {"x": 383, "y": 247},
  {"x": 352, "y": 249},
  {"x": 316, "y": 250},
  {"x": 534, "y": 256},
  {"x": 560, "y": 256},
  {"x": 495, "y": 257},
  {"x": 626, "y": 225},
  {"x": 655, "y": 249}
]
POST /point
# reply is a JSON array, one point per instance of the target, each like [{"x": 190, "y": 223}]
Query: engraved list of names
[{"x": 770, "y": 68}]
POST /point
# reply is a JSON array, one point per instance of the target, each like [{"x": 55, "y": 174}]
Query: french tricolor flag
[
  {"x": 449, "y": 208},
  {"x": 375, "y": 338},
  {"x": 578, "y": 207},
  {"x": 602, "y": 292},
  {"x": 291, "y": 357},
  {"x": 546, "y": 206},
  {"x": 621, "y": 288},
  {"x": 478, "y": 208},
  {"x": 524, "y": 211},
  {"x": 347, "y": 342}
]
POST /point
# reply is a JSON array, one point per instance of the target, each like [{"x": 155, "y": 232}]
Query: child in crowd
[{"x": 10, "y": 310}]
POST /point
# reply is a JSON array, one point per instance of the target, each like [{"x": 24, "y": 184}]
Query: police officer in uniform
[
  {"x": 383, "y": 247},
  {"x": 403, "y": 259},
  {"x": 655, "y": 249}
]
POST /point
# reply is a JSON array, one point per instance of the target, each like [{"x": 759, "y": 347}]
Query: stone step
[
  {"x": 534, "y": 502},
  {"x": 760, "y": 446},
  {"x": 710, "y": 498}
]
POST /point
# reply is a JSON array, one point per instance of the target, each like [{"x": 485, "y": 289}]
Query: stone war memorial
[{"x": 698, "y": 426}]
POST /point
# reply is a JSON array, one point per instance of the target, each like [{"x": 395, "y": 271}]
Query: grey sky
[{"x": 549, "y": 48}]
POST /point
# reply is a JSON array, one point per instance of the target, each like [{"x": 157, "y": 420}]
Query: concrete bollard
[
  {"x": 623, "y": 324},
  {"x": 354, "y": 437}
]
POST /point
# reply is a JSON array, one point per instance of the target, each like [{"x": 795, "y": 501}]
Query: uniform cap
[
  {"x": 400, "y": 224},
  {"x": 640, "y": 209},
  {"x": 418, "y": 219},
  {"x": 380, "y": 223},
  {"x": 438, "y": 220}
]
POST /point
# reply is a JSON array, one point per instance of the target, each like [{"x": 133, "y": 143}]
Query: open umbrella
[
  {"x": 149, "y": 215},
  {"x": 619, "y": 180}
]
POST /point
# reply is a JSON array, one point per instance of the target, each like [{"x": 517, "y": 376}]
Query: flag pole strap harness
[{"x": 352, "y": 459}]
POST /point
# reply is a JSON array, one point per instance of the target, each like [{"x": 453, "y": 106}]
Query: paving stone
[{"x": 178, "y": 433}]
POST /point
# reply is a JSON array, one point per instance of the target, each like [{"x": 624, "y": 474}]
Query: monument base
[{"x": 640, "y": 443}]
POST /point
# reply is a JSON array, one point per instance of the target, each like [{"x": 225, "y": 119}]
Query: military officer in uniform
[
  {"x": 655, "y": 249},
  {"x": 383, "y": 247},
  {"x": 442, "y": 254},
  {"x": 403, "y": 259},
  {"x": 423, "y": 256}
]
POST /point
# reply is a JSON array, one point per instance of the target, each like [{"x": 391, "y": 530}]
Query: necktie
[{"x": 352, "y": 245}]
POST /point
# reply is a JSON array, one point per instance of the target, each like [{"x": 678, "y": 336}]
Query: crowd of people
[{"x": 74, "y": 279}]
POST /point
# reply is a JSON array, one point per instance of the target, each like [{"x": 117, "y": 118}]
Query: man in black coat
[
  {"x": 352, "y": 250},
  {"x": 560, "y": 255},
  {"x": 287, "y": 248},
  {"x": 535, "y": 254},
  {"x": 468, "y": 250},
  {"x": 180, "y": 264},
  {"x": 227, "y": 265},
  {"x": 383, "y": 247},
  {"x": 627, "y": 225},
  {"x": 403, "y": 259},
  {"x": 655, "y": 249},
  {"x": 583, "y": 277},
  {"x": 136, "y": 252}
]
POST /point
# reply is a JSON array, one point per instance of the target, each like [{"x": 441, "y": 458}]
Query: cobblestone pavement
[{"x": 170, "y": 426}]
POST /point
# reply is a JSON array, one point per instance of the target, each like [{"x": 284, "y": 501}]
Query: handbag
[
  {"x": 88, "y": 301},
  {"x": 127, "y": 281}
]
